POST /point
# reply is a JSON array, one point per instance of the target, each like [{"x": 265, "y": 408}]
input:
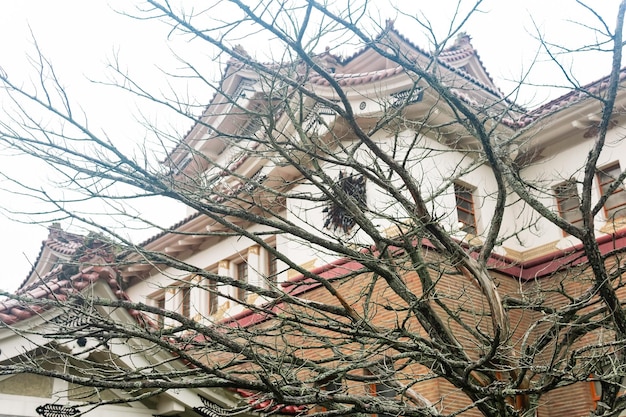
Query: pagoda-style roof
[{"x": 67, "y": 264}]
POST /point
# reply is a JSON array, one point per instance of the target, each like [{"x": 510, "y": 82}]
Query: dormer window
[
  {"x": 615, "y": 205},
  {"x": 244, "y": 90}
]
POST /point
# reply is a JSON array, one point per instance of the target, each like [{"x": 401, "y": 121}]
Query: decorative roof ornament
[
  {"x": 336, "y": 215},
  {"x": 462, "y": 40},
  {"x": 56, "y": 410},
  {"x": 239, "y": 49},
  {"x": 328, "y": 61},
  {"x": 210, "y": 409}
]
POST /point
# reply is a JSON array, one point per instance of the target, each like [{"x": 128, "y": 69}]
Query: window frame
[
  {"x": 159, "y": 302},
  {"x": 329, "y": 385},
  {"x": 241, "y": 271},
  {"x": 595, "y": 389},
  {"x": 572, "y": 214},
  {"x": 272, "y": 267},
  {"x": 184, "y": 292},
  {"x": 212, "y": 297},
  {"x": 611, "y": 212},
  {"x": 379, "y": 389},
  {"x": 465, "y": 215}
]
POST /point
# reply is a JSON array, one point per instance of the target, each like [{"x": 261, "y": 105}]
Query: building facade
[{"x": 302, "y": 251}]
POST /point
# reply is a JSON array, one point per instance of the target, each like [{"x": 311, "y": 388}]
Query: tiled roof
[
  {"x": 171, "y": 229},
  {"x": 92, "y": 264},
  {"x": 461, "y": 49},
  {"x": 256, "y": 401},
  {"x": 457, "y": 52},
  {"x": 347, "y": 79},
  {"x": 566, "y": 100},
  {"x": 60, "y": 242},
  {"x": 63, "y": 242}
]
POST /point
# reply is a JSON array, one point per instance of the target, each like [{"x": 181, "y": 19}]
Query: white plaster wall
[
  {"x": 231, "y": 248},
  {"x": 432, "y": 164},
  {"x": 561, "y": 162}
]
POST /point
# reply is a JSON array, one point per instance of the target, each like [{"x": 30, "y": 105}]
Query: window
[
  {"x": 212, "y": 294},
  {"x": 251, "y": 127},
  {"x": 615, "y": 205},
  {"x": 185, "y": 294},
  {"x": 465, "y": 208},
  {"x": 160, "y": 303},
  {"x": 331, "y": 385},
  {"x": 568, "y": 202},
  {"x": 595, "y": 384},
  {"x": 379, "y": 388},
  {"x": 272, "y": 267},
  {"x": 596, "y": 390},
  {"x": 242, "y": 276},
  {"x": 520, "y": 401}
]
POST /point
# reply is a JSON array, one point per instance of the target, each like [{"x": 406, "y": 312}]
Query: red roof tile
[
  {"x": 568, "y": 99},
  {"x": 59, "y": 242},
  {"x": 92, "y": 264},
  {"x": 256, "y": 401}
]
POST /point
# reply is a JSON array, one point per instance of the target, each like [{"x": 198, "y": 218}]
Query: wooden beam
[
  {"x": 139, "y": 268},
  {"x": 192, "y": 240}
]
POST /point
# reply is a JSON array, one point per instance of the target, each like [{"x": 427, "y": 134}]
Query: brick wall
[{"x": 373, "y": 301}]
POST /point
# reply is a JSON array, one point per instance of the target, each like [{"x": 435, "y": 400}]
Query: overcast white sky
[{"x": 80, "y": 37}]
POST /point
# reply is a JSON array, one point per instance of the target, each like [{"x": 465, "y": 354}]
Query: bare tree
[{"x": 376, "y": 165}]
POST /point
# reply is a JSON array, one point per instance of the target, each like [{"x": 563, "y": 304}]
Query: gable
[{"x": 27, "y": 384}]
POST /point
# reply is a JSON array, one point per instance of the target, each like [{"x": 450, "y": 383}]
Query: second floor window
[
  {"x": 242, "y": 276},
  {"x": 331, "y": 385},
  {"x": 213, "y": 297},
  {"x": 615, "y": 205},
  {"x": 568, "y": 202},
  {"x": 465, "y": 208}
]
